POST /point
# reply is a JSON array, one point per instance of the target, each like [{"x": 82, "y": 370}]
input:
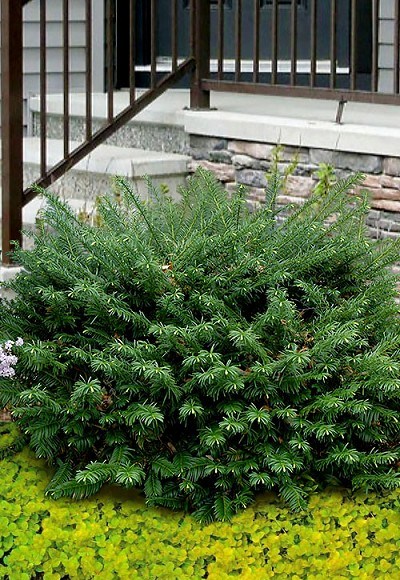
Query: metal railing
[
  {"x": 327, "y": 49},
  {"x": 310, "y": 48},
  {"x": 14, "y": 197}
]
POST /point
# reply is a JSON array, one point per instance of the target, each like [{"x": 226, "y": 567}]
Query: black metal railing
[
  {"x": 310, "y": 48},
  {"x": 14, "y": 197}
]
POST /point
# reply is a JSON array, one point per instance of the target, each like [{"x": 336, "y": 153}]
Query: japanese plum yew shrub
[{"x": 203, "y": 352}]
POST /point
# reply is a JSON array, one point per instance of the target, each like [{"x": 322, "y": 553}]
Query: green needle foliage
[{"x": 203, "y": 353}]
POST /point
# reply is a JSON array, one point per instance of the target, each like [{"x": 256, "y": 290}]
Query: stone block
[
  {"x": 198, "y": 154},
  {"x": 253, "y": 206},
  {"x": 256, "y": 193},
  {"x": 289, "y": 199},
  {"x": 350, "y": 161},
  {"x": 251, "y": 177},
  {"x": 391, "y": 166},
  {"x": 222, "y": 171},
  {"x": 391, "y": 216},
  {"x": 356, "y": 162},
  {"x": 256, "y": 150},
  {"x": 245, "y": 162},
  {"x": 385, "y": 193},
  {"x": 318, "y": 156},
  {"x": 373, "y": 181},
  {"x": 222, "y": 156},
  {"x": 389, "y": 225},
  {"x": 372, "y": 233},
  {"x": 388, "y": 181},
  {"x": 343, "y": 173},
  {"x": 374, "y": 214},
  {"x": 231, "y": 187},
  {"x": 268, "y": 165},
  {"x": 386, "y": 204},
  {"x": 208, "y": 143},
  {"x": 301, "y": 155},
  {"x": 209, "y": 148},
  {"x": 305, "y": 169},
  {"x": 383, "y": 235},
  {"x": 298, "y": 186}
]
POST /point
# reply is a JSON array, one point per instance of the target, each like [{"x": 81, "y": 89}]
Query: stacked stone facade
[{"x": 243, "y": 162}]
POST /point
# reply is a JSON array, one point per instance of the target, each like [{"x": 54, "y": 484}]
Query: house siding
[
  {"x": 54, "y": 31},
  {"x": 386, "y": 45}
]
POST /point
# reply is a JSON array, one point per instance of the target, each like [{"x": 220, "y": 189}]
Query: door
[
  {"x": 304, "y": 24},
  {"x": 247, "y": 28}
]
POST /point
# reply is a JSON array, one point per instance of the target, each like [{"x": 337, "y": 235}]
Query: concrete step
[
  {"x": 159, "y": 127},
  {"x": 92, "y": 177}
]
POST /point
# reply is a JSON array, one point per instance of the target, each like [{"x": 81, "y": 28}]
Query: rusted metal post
[
  {"x": 11, "y": 124},
  {"x": 201, "y": 31}
]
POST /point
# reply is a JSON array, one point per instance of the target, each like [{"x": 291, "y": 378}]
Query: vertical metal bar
[
  {"x": 333, "y": 49},
  {"x": 43, "y": 88},
  {"x": 353, "y": 49},
  {"x": 66, "y": 75},
  {"x": 256, "y": 42},
  {"x": 396, "y": 47},
  {"x": 153, "y": 44},
  {"x": 375, "y": 46},
  {"x": 238, "y": 41},
  {"x": 221, "y": 31},
  {"x": 314, "y": 25},
  {"x": 275, "y": 38},
  {"x": 132, "y": 51},
  {"x": 174, "y": 34},
  {"x": 110, "y": 23},
  {"x": 11, "y": 124},
  {"x": 293, "y": 48},
  {"x": 192, "y": 6},
  {"x": 89, "y": 70},
  {"x": 201, "y": 32}
]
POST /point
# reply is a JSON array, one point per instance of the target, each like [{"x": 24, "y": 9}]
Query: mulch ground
[{"x": 4, "y": 416}]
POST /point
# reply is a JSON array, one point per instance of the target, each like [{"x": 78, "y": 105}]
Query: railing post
[
  {"x": 201, "y": 32},
  {"x": 11, "y": 123}
]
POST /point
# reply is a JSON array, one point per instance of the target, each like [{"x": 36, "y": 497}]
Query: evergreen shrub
[
  {"x": 203, "y": 353},
  {"x": 114, "y": 535}
]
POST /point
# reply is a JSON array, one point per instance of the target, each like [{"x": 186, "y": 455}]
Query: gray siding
[
  {"x": 386, "y": 45},
  {"x": 54, "y": 47}
]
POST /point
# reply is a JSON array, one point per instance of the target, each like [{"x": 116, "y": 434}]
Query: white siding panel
[
  {"x": 387, "y": 9},
  {"x": 386, "y": 45},
  {"x": 54, "y": 30}
]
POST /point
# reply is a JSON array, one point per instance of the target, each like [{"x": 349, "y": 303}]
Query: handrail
[
  {"x": 12, "y": 124},
  {"x": 353, "y": 56},
  {"x": 13, "y": 196},
  {"x": 105, "y": 132}
]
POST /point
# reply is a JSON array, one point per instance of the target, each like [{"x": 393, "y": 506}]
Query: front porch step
[
  {"x": 92, "y": 177},
  {"x": 159, "y": 127}
]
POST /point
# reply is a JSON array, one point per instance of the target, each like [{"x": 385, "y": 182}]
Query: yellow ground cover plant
[{"x": 114, "y": 535}]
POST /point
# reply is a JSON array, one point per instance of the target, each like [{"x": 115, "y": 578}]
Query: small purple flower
[{"x": 8, "y": 360}]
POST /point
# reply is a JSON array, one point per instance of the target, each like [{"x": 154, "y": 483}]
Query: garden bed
[{"x": 114, "y": 535}]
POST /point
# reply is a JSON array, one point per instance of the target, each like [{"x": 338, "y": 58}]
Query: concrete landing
[{"x": 365, "y": 128}]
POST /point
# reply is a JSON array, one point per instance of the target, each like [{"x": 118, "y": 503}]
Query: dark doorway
[{"x": 364, "y": 40}]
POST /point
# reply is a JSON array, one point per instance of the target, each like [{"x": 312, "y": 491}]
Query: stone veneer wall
[{"x": 242, "y": 162}]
